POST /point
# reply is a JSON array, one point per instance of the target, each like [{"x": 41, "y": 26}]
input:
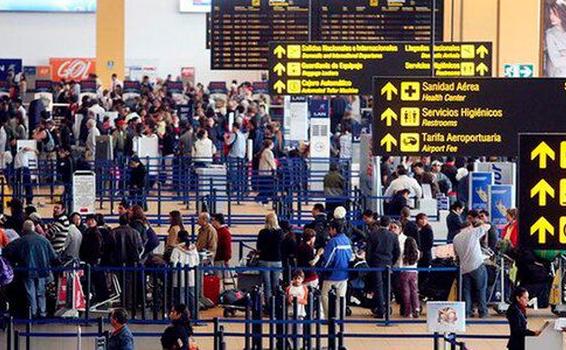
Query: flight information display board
[
  {"x": 376, "y": 20},
  {"x": 242, "y": 30}
]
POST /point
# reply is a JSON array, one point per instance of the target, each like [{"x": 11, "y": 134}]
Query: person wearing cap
[{"x": 444, "y": 183}]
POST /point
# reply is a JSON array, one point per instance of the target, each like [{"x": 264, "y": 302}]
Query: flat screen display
[{"x": 48, "y": 5}]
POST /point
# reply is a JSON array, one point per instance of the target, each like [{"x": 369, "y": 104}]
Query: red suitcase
[{"x": 211, "y": 288}]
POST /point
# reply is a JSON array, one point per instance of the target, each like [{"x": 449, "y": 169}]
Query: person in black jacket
[
  {"x": 177, "y": 335},
  {"x": 319, "y": 225},
  {"x": 382, "y": 250},
  {"x": 454, "y": 220},
  {"x": 269, "y": 242},
  {"x": 517, "y": 317},
  {"x": 398, "y": 202},
  {"x": 425, "y": 241},
  {"x": 137, "y": 180}
]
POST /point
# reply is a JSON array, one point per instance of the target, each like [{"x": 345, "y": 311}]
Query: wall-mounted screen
[
  {"x": 195, "y": 5},
  {"x": 48, "y": 5}
]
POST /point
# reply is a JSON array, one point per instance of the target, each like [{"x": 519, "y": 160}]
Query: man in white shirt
[
  {"x": 115, "y": 83},
  {"x": 93, "y": 132},
  {"x": 21, "y": 109},
  {"x": 23, "y": 175},
  {"x": 474, "y": 273},
  {"x": 403, "y": 181},
  {"x": 97, "y": 111}
]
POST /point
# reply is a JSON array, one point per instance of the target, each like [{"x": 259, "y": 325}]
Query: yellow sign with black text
[{"x": 344, "y": 68}]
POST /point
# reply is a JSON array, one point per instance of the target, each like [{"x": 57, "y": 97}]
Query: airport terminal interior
[{"x": 282, "y": 174}]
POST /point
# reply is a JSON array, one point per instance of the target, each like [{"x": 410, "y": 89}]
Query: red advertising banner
[
  {"x": 43, "y": 72},
  {"x": 71, "y": 68}
]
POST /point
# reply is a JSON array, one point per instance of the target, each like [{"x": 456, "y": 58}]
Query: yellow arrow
[
  {"x": 389, "y": 141},
  {"x": 389, "y": 90},
  {"x": 543, "y": 151},
  {"x": 482, "y": 69},
  {"x": 279, "y": 86},
  {"x": 542, "y": 188},
  {"x": 279, "y": 69},
  {"x": 482, "y": 51},
  {"x": 389, "y": 116},
  {"x": 279, "y": 51},
  {"x": 542, "y": 226}
]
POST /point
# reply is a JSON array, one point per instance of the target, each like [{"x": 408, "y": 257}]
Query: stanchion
[
  {"x": 460, "y": 284},
  {"x": 272, "y": 303},
  {"x": 257, "y": 311},
  {"x": 332, "y": 301},
  {"x": 159, "y": 208},
  {"x": 125, "y": 289},
  {"x": 284, "y": 329},
  {"x": 88, "y": 277},
  {"x": 388, "y": 296},
  {"x": 143, "y": 290},
  {"x": 9, "y": 333},
  {"x": 154, "y": 306},
  {"x": 247, "y": 326},
  {"x": 342, "y": 317},
  {"x": 436, "y": 341},
  {"x": 28, "y": 329},
  {"x": 318, "y": 326},
  {"x": 216, "y": 331},
  {"x": 134, "y": 293},
  {"x": 16, "y": 340},
  {"x": 100, "y": 323},
  {"x": 332, "y": 334},
  {"x": 198, "y": 280},
  {"x": 307, "y": 328}
]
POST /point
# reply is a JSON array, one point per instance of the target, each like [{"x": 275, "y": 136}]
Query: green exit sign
[{"x": 519, "y": 70}]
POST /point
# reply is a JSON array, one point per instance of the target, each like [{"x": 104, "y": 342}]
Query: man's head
[
  {"x": 401, "y": 170},
  {"x": 217, "y": 220},
  {"x": 484, "y": 216},
  {"x": 422, "y": 220},
  {"x": 123, "y": 208},
  {"x": 317, "y": 209},
  {"x": 404, "y": 192},
  {"x": 368, "y": 217},
  {"x": 405, "y": 213},
  {"x": 203, "y": 218},
  {"x": 28, "y": 227},
  {"x": 309, "y": 236},
  {"x": 91, "y": 221},
  {"x": 418, "y": 168},
  {"x": 124, "y": 220},
  {"x": 336, "y": 227},
  {"x": 334, "y": 167},
  {"x": 58, "y": 209},
  {"x": 235, "y": 127},
  {"x": 436, "y": 166},
  {"x": 396, "y": 227},
  {"x": 118, "y": 317},
  {"x": 384, "y": 221},
  {"x": 473, "y": 218},
  {"x": 457, "y": 207}
]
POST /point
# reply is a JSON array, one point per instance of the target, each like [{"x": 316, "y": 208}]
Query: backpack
[{"x": 6, "y": 273}]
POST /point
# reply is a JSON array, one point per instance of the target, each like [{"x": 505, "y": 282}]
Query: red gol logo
[{"x": 72, "y": 68}]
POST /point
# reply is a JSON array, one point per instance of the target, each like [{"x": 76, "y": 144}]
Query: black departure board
[
  {"x": 242, "y": 30},
  {"x": 376, "y": 20}
]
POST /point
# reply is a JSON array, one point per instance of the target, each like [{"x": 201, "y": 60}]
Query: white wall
[
  {"x": 35, "y": 37},
  {"x": 155, "y": 30}
]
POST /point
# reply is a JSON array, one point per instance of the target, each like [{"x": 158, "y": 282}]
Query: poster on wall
[
  {"x": 71, "y": 68},
  {"x": 48, "y": 5},
  {"x": 554, "y": 35},
  {"x": 136, "y": 69},
  {"x": 478, "y": 190},
  {"x": 195, "y": 5},
  {"x": 10, "y": 67},
  {"x": 501, "y": 198}
]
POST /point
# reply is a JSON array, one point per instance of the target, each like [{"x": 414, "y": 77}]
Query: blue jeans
[
  {"x": 270, "y": 278},
  {"x": 35, "y": 293},
  {"x": 474, "y": 284}
]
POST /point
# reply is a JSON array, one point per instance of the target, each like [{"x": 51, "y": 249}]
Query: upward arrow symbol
[
  {"x": 388, "y": 116},
  {"x": 389, "y": 90},
  {"x": 279, "y": 51},
  {"x": 543, "y": 151},
  {"x": 482, "y": 69},
  {"x": 482, "y": 51},
  {"x": 279, "y": 69},
  {"x": 542, "y": 226},
  {"x": 542, "y": 188}
]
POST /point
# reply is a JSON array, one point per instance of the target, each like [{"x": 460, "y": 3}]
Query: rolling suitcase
[{"x": 211, "y": 290}]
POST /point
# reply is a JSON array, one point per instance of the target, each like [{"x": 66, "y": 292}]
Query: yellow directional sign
[
  {"x": 279, "y": 86},
  {"x": 482, "y": 51},
  {"x": 279, "y": 51},
  {"x": 279, "y": 69},
  {"x": 388, "y": 141},
  {"x": 482, "y": 69},
  {"x": 543, "y": 151},
  {"x": 542, "y": 226},
  {"x": 542, "y": 194},
  {"x": 389, "y": 90},
  {"x": 388, "y": 116},
  {"x": 542, "y": 189},
  {"x": 563, "y": 154}
]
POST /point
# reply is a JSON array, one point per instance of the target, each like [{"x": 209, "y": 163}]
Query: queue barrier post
[
  {"x": 247, "y": 328},
  {"x": 88, "y": 276},
  {"x": 307, "y": 328},
  {"x": 460, "y": 284},
  {"x": 295, "y": 333},
  {"x": 198, "y": 282},
  {"x": 332, "y": 334},
  {"x": 388, "y": 296},
  {"x": 159, "y": 207},
  {"x": 216, "y": 332},
  {"x": 28, "y": 329},
  {"x": 9, "y": 332},
  {"x": 143, "y": 288},
  {"x": 272, "y": 310},
  {"x": 341, "y": 326},
  {"x": 16, "y": 340}
]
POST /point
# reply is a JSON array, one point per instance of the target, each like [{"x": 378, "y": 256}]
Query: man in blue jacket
[
  {"x": 337, "y": 257},
  {"x": 34, "y": 254}
]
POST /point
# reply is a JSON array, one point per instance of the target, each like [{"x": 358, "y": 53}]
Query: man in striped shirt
[{"x": 58, "y": 230}]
